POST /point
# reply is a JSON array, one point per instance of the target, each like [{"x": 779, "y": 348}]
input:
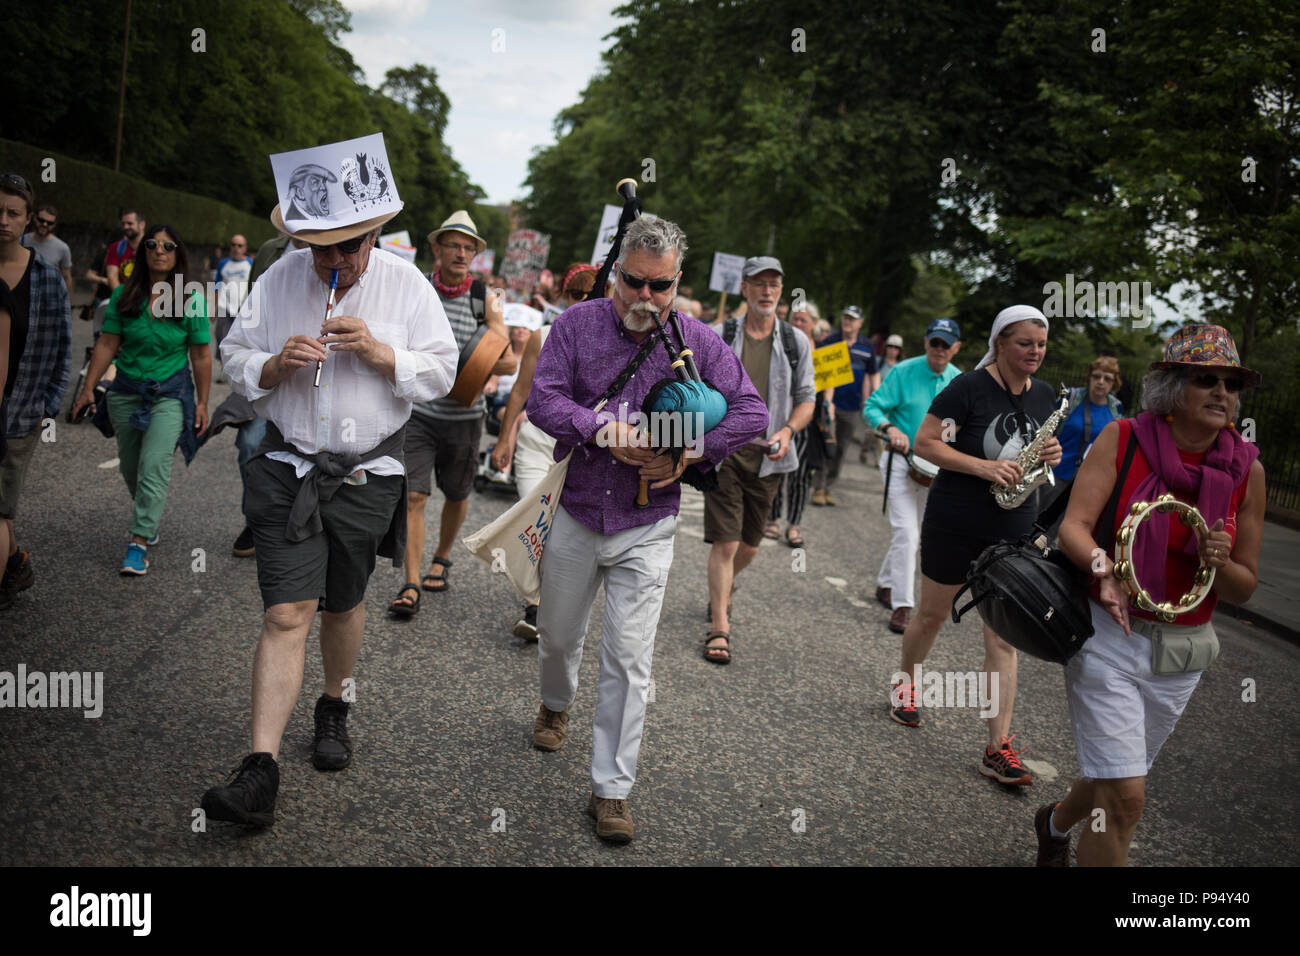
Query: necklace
[{"x": 1017, "y": 402}]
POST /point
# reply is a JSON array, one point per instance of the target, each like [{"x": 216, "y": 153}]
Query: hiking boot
[
  {"x": 548, "y": 728},
  {"x": 332, "y": 750},
  {"x": 1004, "y": 766},
  {"x": 250, "y": 797},
  {"x": 243, "y": 546},
  {"x": 899, "y": 619},
  {"x": 526, "y": 626},
  {"x": 613, "y": 819},
  {"x": 902, "y": 705},
  {"x": 18, "y": 574},
  {"x": 1051, "y": 850}
]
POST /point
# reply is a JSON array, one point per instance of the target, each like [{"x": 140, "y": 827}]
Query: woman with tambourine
[
  {"x": 978, "y": 431},
  {"x": 1130, "y": 681}
]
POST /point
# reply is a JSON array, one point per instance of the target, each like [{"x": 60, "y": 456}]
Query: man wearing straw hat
[{"x": 326, "y": 491}]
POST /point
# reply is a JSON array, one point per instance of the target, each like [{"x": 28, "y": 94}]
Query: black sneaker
[
  {"x": 243, "y": 546},
  {"x": 902, "y": 705},
  {"x": 250, "y": 797},
  {"x": 18, "y": 574},
  {"x": 1052, "y": 851},
  {"x": 527, "y": 625},
  {"x": 332, "y": 750}
]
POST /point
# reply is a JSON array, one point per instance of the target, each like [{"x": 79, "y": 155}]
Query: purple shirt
[{"x": 585, "y": 351}]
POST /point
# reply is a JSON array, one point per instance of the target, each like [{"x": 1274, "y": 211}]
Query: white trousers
[
  {"x": 906, "y": 507},
  {"x": 633, "y": 565}
]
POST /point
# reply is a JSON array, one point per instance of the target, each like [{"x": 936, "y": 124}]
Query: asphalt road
[{"x": 785, "y": 757}]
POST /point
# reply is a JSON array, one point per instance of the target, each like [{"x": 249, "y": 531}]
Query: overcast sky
[{"x": 502, "y": 103}]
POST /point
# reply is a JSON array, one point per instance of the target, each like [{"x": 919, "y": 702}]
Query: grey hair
[
  {"x": 659, "y": 237},
  {"x": 1164, "y": 389},
  {"x": 811, "y": 309}
]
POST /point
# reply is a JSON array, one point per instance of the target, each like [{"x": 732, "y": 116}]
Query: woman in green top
[{"x": 152, "y": 402}]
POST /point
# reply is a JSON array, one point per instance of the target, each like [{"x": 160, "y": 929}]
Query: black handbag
[{"x": 1031, "y": 594}]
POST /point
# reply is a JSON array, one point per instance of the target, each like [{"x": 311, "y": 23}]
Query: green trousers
[{"x": 146, "y": 457}]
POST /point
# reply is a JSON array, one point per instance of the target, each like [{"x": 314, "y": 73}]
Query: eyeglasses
[
  {"x": 167, "y": 245},
  {"x": 45, "y": 222},
  {"x": 656, "y": 285},
  {"x": 937, "y": 344},
  {"x": 457, "y": 247},
  {"x": 1209, "y": 380},
  {"x": 13, "y": 179},
  {"x": 237, "y": 245}
]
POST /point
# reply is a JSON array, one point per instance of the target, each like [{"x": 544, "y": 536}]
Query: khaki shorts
[
  {"x": 13, "y": 471},
  {"x": 448, "y": 449},
  {"x": 737, "y": 509}
]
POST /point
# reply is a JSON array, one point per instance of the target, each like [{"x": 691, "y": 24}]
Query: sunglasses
[
  {"x": 656, "y": 285},
  {"x": 167, "y": 245},
  {"x": 45, "y": 222},
  {"x": 348, "y": 247},
  {"x": 937, "y": 344},
  {"x": 1209, "y": 380}
]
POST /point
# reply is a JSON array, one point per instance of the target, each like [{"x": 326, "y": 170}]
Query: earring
[
  {"x": 1232, "y": 424},
  {"x": 1169, "y": 419}
]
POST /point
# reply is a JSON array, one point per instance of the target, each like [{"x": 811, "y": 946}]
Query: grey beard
[{"x": 634, "y": 323}]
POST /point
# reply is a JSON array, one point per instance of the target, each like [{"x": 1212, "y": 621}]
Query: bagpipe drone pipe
[{"x": 682, "y": 408}]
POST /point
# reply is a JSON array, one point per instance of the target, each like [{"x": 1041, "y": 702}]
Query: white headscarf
[{"x": 1009, "y": 316}]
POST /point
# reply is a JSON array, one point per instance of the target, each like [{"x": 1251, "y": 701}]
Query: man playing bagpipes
[{"x": 600, "y": 533}]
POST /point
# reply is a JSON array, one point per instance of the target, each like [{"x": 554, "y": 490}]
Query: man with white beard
[
  {"x": 605, "y": 348},
  {"x": 778, "y": 360}
]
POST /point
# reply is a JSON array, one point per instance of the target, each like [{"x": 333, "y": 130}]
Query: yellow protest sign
[{"x": 831, "y": 366}]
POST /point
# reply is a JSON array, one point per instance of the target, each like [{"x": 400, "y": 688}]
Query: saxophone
[{"x": 1033, "y": 472}]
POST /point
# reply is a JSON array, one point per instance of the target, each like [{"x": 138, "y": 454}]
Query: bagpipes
[{"x": 689, "y": 405}]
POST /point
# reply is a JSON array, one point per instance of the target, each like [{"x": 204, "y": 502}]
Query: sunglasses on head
[
  {"x": 1209, "y": 380},
  {"x": 13, "y": 179},
  {"x": 656, "y": 285},
  {"x": 167, "y": 245}
]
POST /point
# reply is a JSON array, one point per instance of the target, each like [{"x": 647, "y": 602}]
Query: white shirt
[{"x": 356, "y": 407}]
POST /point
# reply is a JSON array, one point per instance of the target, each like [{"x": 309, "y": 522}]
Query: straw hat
[{"x": 460, "y": 222}]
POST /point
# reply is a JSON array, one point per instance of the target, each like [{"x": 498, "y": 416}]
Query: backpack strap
[
  {"x": 478, "y": 300},
  {"x": 1112, "y": 506},
  {"x": 788, "y": 343}
]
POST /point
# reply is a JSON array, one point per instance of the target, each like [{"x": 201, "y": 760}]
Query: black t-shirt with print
[{"x": 991, "y": 424}]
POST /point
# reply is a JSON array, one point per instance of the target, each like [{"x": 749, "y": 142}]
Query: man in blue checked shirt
[{"x": 895, "y": 410}]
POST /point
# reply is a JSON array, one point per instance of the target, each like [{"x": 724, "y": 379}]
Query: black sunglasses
[
  {"x": 349, "y": 246},
  {"x": 937, "y": 344},
  {"x": 1209, "y": 380},
  {"x": 656, "y": 285},
  {"x": 46, "y": 222},
  {"x": 167, "y": 245}
]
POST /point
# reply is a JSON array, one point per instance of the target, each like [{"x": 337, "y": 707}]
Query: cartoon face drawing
[{"x": 309, "y": 192}]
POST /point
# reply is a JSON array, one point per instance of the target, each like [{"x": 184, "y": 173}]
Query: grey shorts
[
  {"x": 448, "y": 449},
  {"x": 333, "y": 566},
  {"x": 13, "y": 471}
]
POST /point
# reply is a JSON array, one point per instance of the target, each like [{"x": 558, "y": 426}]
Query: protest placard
[
  {"x": 725, "y": 276},
  {"x": 484, "y": 262},
  {"x": 832, "y": 366},
  {"x": 398, "y": 243},
  {"x": 525, "y": 258},
  {"x": 605, "y": 235}
]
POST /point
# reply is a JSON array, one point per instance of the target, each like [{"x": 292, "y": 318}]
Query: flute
[{"x": 329, "y": 309}]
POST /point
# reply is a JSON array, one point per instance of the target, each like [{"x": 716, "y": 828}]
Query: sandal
[
  {"x": 792, "y": 537},
  {"x": 772, "y": 530},
  {"x": 410, "y": 608},
  {"x": 711, "y": 653},
  {"x": 446, "y": 585}
]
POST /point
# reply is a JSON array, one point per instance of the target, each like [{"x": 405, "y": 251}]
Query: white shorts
[{"x": 1121, "y": 712}]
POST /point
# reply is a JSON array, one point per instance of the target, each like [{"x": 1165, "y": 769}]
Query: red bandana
[{"x": 449, "y": 291}]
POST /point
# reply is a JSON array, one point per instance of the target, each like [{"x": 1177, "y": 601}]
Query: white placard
[
  {"x": 335, "y": 185},
  {"x": 725, "y": 276},
  {"x": 398, "y": 243},
  {"x": 605, "y": 235},
  {"x": 517, "y": 313}
]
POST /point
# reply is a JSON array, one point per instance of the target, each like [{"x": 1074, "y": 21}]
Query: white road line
[{"x": 111, "y": 463}]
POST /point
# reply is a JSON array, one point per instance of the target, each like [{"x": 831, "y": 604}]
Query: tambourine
[
  {"x": 1126, "y": 572},
  {"x": 474, "y": 366},
  {"x": 921, "y": 471}
]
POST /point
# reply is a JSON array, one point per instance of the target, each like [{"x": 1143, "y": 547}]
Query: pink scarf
[
  {"x": 451, "y": 291},
  {"x": 1210, "y": 484}
]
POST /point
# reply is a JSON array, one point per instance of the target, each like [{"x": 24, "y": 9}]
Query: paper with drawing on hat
[{"x": 335, "y": 185}]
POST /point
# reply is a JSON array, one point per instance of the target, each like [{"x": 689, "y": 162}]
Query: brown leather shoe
[
  {"x": 899, "y": 619},
  {"x": 819, "y": 497},
  {"x": 829, "y": 498},
  {"x": 613, "y": 819},
  {"x": 548, "y": 728},
  {"x": 882, "y": 595}
]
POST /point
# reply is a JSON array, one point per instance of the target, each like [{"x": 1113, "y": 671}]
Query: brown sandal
[{"x": 710, "y": 653}]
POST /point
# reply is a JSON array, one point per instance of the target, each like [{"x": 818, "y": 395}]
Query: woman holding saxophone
[
  {"x": 983, "y": 431},
  {"x": 1130, "y": 682}
]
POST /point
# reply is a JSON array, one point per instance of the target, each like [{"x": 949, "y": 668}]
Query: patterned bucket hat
[{"x": 1194, "y": 346}]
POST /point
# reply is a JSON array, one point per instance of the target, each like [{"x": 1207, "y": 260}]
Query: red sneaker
[{"x": 902, "y": 705}]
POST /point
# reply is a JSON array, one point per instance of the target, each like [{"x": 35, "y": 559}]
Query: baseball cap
[
  {"x": 756, "y": 264},
  {"x": 852, "y": 311},
  {"x": 895, "y": 340},
  {"x": 945, "y": 329}
]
